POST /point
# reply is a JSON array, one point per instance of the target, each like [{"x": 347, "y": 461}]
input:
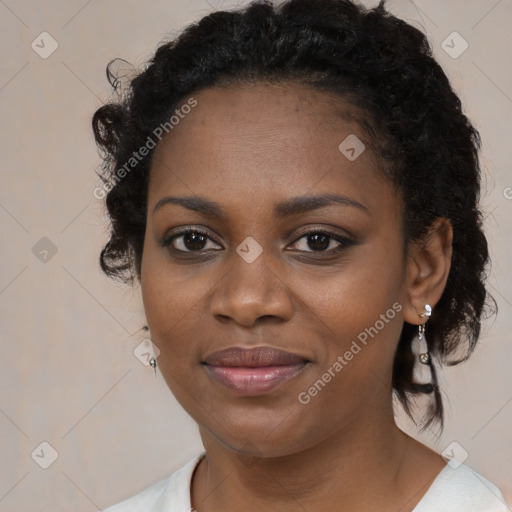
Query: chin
[{"x": 274, "y": 435}]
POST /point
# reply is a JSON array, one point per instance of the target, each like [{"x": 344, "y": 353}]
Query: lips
[
  {"x": 253, "y": 357},
  {"x": 253, "y": 371}
]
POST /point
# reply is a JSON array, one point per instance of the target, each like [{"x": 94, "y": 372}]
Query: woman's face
[{"x": 265, "y": 155}]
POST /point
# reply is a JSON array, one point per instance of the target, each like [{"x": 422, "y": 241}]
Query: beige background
[{"x": 69, "y": 376}]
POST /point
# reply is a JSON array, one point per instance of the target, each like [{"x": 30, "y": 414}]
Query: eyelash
[{"x": 344, "y": 241}]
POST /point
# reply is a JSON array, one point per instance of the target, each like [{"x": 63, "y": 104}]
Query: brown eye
[
  {"x": 191, "y": 240},
  {"x": 318, "y": 241},
  {"x": 194, "y": 241},
  {"x": 322, "y": 241}
]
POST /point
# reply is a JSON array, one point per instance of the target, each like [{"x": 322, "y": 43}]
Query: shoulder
[
  {"x": 171, "y": 493},
  {"x": 461, "y": 489}
]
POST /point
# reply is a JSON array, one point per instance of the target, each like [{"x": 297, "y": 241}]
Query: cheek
[
  {"x": 358, "y": 329},
  {"x": 358, "y": 314},
  {"x": 359, "y": 323},
  {"x": 170, "y": 300},
  {"x": 354, "y": 297},
  {"x": 168, "y": 290},
  {"x": 170, "y": 304}
]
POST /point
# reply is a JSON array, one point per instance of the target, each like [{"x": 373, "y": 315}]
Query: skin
[{"x": 248, "y": 148}]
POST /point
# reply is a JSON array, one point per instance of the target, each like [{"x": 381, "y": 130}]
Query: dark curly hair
[{"x": 384, "y": 68}]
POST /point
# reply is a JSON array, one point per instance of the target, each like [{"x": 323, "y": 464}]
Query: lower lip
[{"x": 254, "y": 381}]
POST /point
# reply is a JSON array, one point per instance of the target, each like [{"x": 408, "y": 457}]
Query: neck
[{"x": 360, "y": 467}]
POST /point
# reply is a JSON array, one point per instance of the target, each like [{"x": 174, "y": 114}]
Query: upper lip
[{"x": 253, "y": 357}]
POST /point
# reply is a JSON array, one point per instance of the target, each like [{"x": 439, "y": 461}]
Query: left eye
[{"x": 321, "y": 241}]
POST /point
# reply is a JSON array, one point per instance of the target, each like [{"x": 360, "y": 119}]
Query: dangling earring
[
  {"x": 152, "y": 361},
  {"x": 147, "y": 352},
  {"x": 420, "y": 350},
  {"x": 424, "y": 356}
]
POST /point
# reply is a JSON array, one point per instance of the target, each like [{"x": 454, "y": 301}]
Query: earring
[
  {"x": 424, "y": 356},
  {"x": 428, "y": 310},
  {"x": 151, "y": 350}
]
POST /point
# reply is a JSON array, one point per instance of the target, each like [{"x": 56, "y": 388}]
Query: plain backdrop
[{"x": 69, "y": 374}]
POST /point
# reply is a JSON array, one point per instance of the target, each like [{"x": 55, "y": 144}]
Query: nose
[{"x": 251, "y": 292}]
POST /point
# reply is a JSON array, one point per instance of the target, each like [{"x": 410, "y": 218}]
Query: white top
[{"x": 453, "y": 490}]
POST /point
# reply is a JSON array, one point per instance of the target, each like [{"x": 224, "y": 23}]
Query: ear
[{"x": 428, "y": 266}]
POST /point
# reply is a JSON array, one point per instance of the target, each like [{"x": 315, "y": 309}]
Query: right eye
[{"x": 188, "y": 240}]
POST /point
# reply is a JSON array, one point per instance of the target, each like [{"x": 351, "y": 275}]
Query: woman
[{"x": 295, "y": 188}]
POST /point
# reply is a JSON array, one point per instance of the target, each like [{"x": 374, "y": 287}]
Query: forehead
[{"x": 264, "y": 141}]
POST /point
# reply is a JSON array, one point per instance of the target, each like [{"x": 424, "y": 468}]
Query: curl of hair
[{"x": 413, "y": 119}]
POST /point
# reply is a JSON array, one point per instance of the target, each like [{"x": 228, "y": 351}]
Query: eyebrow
[{"x": 289, "y": 207}]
